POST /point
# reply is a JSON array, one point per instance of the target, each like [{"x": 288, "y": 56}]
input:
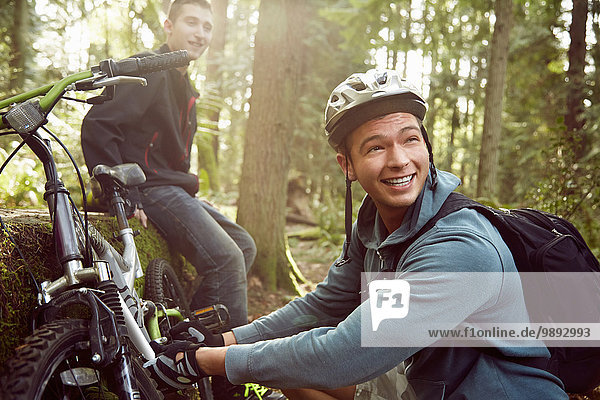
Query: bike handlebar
[
  {"x": 86, "y": 80},
  {"x": 137, "y": 66}
]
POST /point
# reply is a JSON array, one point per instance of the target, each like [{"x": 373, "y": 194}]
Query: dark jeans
[{"x": 220, "y": 250}]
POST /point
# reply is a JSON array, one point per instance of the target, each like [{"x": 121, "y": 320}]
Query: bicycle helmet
[
  {"x": 364, "y": 96},
  {"x": 361, "y": 98}
]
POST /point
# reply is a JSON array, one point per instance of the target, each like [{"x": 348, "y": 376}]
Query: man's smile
[{"x": 399, "y": 182}]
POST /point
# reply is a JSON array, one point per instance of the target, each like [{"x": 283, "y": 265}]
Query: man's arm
[
  {"x": 335, "y": 357},
  {"x": 327, "y": 305},
  {"x": 106, "y": 126}
]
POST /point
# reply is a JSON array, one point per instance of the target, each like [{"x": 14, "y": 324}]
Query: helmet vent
[
  {"x": 364, "y": 96},
  {"x": 356, "y": 83},
  {"x": 358, "y": 86}
]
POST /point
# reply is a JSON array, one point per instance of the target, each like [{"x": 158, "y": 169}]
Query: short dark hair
[
  {"x": 175, "y": 8},
  {"x": 344, "y": 148}
]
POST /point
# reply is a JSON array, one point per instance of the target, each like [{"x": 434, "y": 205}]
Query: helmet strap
[
  {"x": 432, "y": 169},
  {"x": 348, "y": 207},
  {"x": 347, "y": 219},
  {"x": 433, "y": 172}
]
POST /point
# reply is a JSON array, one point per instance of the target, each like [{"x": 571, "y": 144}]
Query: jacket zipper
[
  {"x": 148, "y": 151},
  {"x": 186, "y": 128},
  {"x": 381, "y": 262}
]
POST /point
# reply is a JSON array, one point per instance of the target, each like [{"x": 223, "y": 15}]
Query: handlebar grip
[
  {"x": 159, "y": 62},
  {"x": 145, "y": 65}
]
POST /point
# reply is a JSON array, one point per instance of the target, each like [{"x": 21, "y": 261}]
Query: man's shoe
[
  {"x": 254, "y": 391},
  {"x": 224, "y": 390}
]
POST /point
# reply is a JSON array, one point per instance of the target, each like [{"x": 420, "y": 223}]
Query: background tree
[
  {"x": 20, "y": 43},
  {"x": 576, "y": 79},
  {"x": 211, "y": 100},
  {"x": 494, "y": 92},
  {"x": 271, "y": 123}
]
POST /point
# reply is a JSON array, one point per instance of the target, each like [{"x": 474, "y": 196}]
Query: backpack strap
[
  {"x": 454, "y": 202},
  {"x": 457, "y": 201}
]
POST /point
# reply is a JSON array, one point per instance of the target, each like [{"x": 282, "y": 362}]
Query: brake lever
[
  {"x": 96, "y": 82},
  {"x": 118, "y": 80},
  {"x": 109, "y": 83}
]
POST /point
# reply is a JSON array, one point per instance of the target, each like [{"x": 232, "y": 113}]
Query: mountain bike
[{"x": 92, "y": 329}]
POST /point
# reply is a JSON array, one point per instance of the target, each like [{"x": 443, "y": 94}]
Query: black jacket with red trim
[{"x": 152, "y": 126}]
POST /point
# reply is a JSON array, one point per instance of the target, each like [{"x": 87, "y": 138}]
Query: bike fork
[
  {"x": 123, "y": 371},
  {"x": 123, "y": 374}
]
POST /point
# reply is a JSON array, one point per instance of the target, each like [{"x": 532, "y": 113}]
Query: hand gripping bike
[{"x": 99, "y": 355}]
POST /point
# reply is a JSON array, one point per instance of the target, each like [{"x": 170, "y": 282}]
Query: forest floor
[{"x": 313, "y": 258}]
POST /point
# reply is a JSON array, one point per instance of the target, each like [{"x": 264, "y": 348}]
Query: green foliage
[
  {"x": 20, "y": 183},
  {"x": 571, "y": 187},
  {"x": 5, "y": 40},
  {"x": 533, "y": 99},
  {"x": 207, "y": 168}
]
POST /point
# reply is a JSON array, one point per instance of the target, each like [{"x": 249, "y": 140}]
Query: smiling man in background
[{"x": 154, "y": 126}]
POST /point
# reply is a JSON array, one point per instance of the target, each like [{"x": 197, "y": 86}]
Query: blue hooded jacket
[{"x": 319, "y": 335}]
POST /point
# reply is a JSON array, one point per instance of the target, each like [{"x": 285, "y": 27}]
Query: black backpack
[{"x": 541, "y": 242}]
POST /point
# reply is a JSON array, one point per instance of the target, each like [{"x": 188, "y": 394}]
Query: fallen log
[{"x": 35, "y": 258}]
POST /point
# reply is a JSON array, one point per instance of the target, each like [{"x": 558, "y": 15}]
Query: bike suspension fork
[
  {"x": 123, "y": 370},
  {"x": 57, "y": 197}
]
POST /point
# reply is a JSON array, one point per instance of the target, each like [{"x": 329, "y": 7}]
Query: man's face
[
  {"x": 389, "y": 158},
  {"x": 191, "y": 30}
]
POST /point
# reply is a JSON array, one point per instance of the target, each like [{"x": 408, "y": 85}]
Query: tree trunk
[
  {"x": 492, "y": 120},
  {"x": 455, "y": 126},
  {"x": 212, "y": 99},
  {"x": 215, "y": 60},
  {"x": 595, "y": 51},
  {"x": 263, "y": 184},
  {"x": 20, "y": 30},
  {"x": 576, "y": 86}
]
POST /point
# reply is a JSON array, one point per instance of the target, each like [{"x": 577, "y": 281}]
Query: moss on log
[{"x": 32, "y": 231}]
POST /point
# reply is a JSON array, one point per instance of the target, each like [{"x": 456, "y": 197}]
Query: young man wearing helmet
[{"x": 374, "y": 122}]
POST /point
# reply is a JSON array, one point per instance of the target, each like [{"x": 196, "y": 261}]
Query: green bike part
[
  {"x": 51, "y": 92},
  {"x": 152, "y": 322}
]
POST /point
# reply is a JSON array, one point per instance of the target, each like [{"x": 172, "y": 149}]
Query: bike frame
[
  {"x": 123, "y": 269},
  {"x": 109, "y": 265}
]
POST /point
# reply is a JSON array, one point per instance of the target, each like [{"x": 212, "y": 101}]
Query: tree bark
[
  {"x": 494, "y": 91},
  {"x": 595, "y": 51},
  {"x": 455, "y": 126},
  {"x": 263, "y": 184},
  {"x": 20, "y": 30},
  {"x": 215, "y": 60},
  {"x": 212, "y": 99},
  {"x": 574, "y": 120}
]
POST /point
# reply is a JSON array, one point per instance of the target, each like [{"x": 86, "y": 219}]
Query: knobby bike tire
[
  {"x": 63, "y": 346},
  {"x": 162, "y": 286}
]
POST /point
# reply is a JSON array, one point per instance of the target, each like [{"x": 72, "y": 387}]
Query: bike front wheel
[{"x": 55, "y": 363}]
